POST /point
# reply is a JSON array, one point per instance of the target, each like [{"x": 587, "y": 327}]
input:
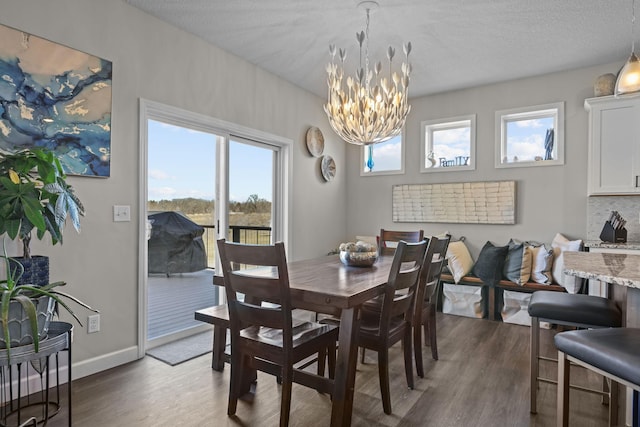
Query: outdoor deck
[{"x": 173, "y": 300}]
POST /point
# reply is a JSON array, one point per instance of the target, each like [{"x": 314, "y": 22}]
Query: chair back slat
[
  {"x": 403, "y": 276},
  {"x": 434, "y": 261},
  {"x": 267, "y": 280},
  {"x": 262, "y": 288},
  {"x": 388, "y": 239},
  {"x": 270, "y": 317}
]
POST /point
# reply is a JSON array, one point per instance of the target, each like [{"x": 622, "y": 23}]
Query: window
[
  {"x": 530, "y": 136},
  {"x": 384, "y": 158},
  {"x": 448, "y": 144}
]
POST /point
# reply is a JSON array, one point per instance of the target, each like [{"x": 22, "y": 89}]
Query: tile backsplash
[{"x": 598, "y": 211}]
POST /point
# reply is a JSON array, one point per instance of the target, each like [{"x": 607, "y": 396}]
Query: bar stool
[
  {"x": 583, "y": 311},
  {"x": 609, "y": 352}
]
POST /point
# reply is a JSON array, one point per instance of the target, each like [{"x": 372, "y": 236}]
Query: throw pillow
[
  {"x": 459, "y": 260},
  {"x": 542, "y": 261},
  {"x": 560, "y": 245},
  {"x": 517, "y": 264},
  {"x": 490, "y": 262}
]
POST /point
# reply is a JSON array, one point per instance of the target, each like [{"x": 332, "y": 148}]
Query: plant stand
[{"x": 18, "y": 405}]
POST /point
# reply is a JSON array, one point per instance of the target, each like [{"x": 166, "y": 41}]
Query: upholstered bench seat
[{"x": 575, "y": 309}]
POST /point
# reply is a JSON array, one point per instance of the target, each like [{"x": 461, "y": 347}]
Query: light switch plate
[{"x": 121, "y": 213}]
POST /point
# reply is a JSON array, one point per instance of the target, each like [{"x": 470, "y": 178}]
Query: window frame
[
  {"x": 386, "y": 172},
  {"x": 426, "y": 138},
  {"x": 503, "y": 117}
]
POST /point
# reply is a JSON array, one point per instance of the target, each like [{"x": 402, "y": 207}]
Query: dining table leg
[{"x": 342, "y": 400}]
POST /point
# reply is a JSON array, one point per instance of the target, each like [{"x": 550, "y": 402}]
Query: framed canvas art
[{"x": 55, "y": 97}]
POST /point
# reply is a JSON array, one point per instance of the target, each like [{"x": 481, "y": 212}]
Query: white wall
[
  {"x": 155, "y": 61},
  {"x": 549, "y": 199}
]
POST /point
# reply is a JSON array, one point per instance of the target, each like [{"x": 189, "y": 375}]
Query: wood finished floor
[{"x": 481, "y": 379}]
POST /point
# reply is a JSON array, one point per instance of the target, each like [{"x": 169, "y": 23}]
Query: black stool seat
[
  {"x": 575, "y": 309},
  {"x": 615, "y": 351}
]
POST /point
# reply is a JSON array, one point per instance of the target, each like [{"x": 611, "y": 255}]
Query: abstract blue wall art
[{"x": 55, "y": 97}]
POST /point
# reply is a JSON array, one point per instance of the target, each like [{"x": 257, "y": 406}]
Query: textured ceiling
[{"x": 456, "y": 43}]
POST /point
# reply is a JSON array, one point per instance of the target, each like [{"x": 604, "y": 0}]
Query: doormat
[{"x": 184, "y": 349}]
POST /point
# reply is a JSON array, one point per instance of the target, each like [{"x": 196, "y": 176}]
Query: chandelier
[{"x": 372, "y": 106}]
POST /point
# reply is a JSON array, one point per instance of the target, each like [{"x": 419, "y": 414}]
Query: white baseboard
[
  {"x": 33, "y": 383},
  {"x": 103, "y": 362}
]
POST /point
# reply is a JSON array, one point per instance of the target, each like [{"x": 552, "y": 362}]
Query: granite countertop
[
  {"x": 609, "y": 245},
  {"x": 619, "y": 269}
]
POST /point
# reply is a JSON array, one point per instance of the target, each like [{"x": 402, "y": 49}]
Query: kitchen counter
[
  {"x": 615, "y": 268},
  {"x": 609, "y": 245}
]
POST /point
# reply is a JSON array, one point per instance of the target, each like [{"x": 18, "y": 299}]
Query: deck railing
[{"x": 237, "y": 233}]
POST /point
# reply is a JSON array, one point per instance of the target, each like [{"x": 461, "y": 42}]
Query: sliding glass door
[{"x": 203, "y": 179}]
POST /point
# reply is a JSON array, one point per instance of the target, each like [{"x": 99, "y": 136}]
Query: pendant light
[{"x": 629, "y": 77}]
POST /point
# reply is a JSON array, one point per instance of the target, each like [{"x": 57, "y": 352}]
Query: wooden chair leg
[
  {"x": 362, "y": 356},
  {"x": 408, "y": 363},
  {"x": 322, "y": 358},
  {"x": 431, "y": 324},
  {"x": 534, "y": 363},
  {"x": 563, "y": 390},
  {"x": 417, "y": 349},
  {"x": 285, "y": 402},
  {"x": 383, "y": 373},
  {"x": 332, "y": 360},
  {"x": 235, "y": 382}
]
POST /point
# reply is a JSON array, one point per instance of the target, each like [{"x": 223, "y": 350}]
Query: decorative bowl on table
[{"x": 359, "y": 254}]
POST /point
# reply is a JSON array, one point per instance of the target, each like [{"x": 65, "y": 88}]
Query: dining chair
[
  {"x": 387, "y": 319},
  {"x": 427, "y": 298},
  {"x": 388, "y": 239},
  {"x": 267, "y": 337}
]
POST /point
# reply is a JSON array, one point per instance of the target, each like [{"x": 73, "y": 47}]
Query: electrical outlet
[{"x": 93, "y": 323}]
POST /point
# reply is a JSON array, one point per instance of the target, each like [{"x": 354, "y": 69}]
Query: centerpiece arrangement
[{"x": 358, "y": 254}]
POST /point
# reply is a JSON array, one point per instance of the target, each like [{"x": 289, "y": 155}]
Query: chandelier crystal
[{"x": 372, "y": 106}]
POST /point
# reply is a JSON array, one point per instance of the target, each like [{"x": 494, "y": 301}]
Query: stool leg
[
  {"x": 563, "y": 390},
  {"x": 613, "y": 403},
  {"x": 534, "y": 362}
]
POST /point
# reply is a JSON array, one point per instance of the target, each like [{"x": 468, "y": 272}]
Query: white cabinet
[{"x": 614, "y": 145}]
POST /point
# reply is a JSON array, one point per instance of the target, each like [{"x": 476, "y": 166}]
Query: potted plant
[
  {"x": 34, "y": 194},
  {"x": 26, "y": 310}
]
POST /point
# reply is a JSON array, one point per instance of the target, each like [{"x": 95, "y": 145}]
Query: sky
[{"x": 182, "y": 163}]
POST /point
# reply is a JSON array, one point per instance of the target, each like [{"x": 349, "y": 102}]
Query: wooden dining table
[{"x": 325, "y": 285}]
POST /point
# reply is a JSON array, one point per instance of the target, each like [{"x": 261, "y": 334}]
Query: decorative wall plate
[
  {"x": 315, "y": 141},
  {"x": 328, "y": 168}
]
